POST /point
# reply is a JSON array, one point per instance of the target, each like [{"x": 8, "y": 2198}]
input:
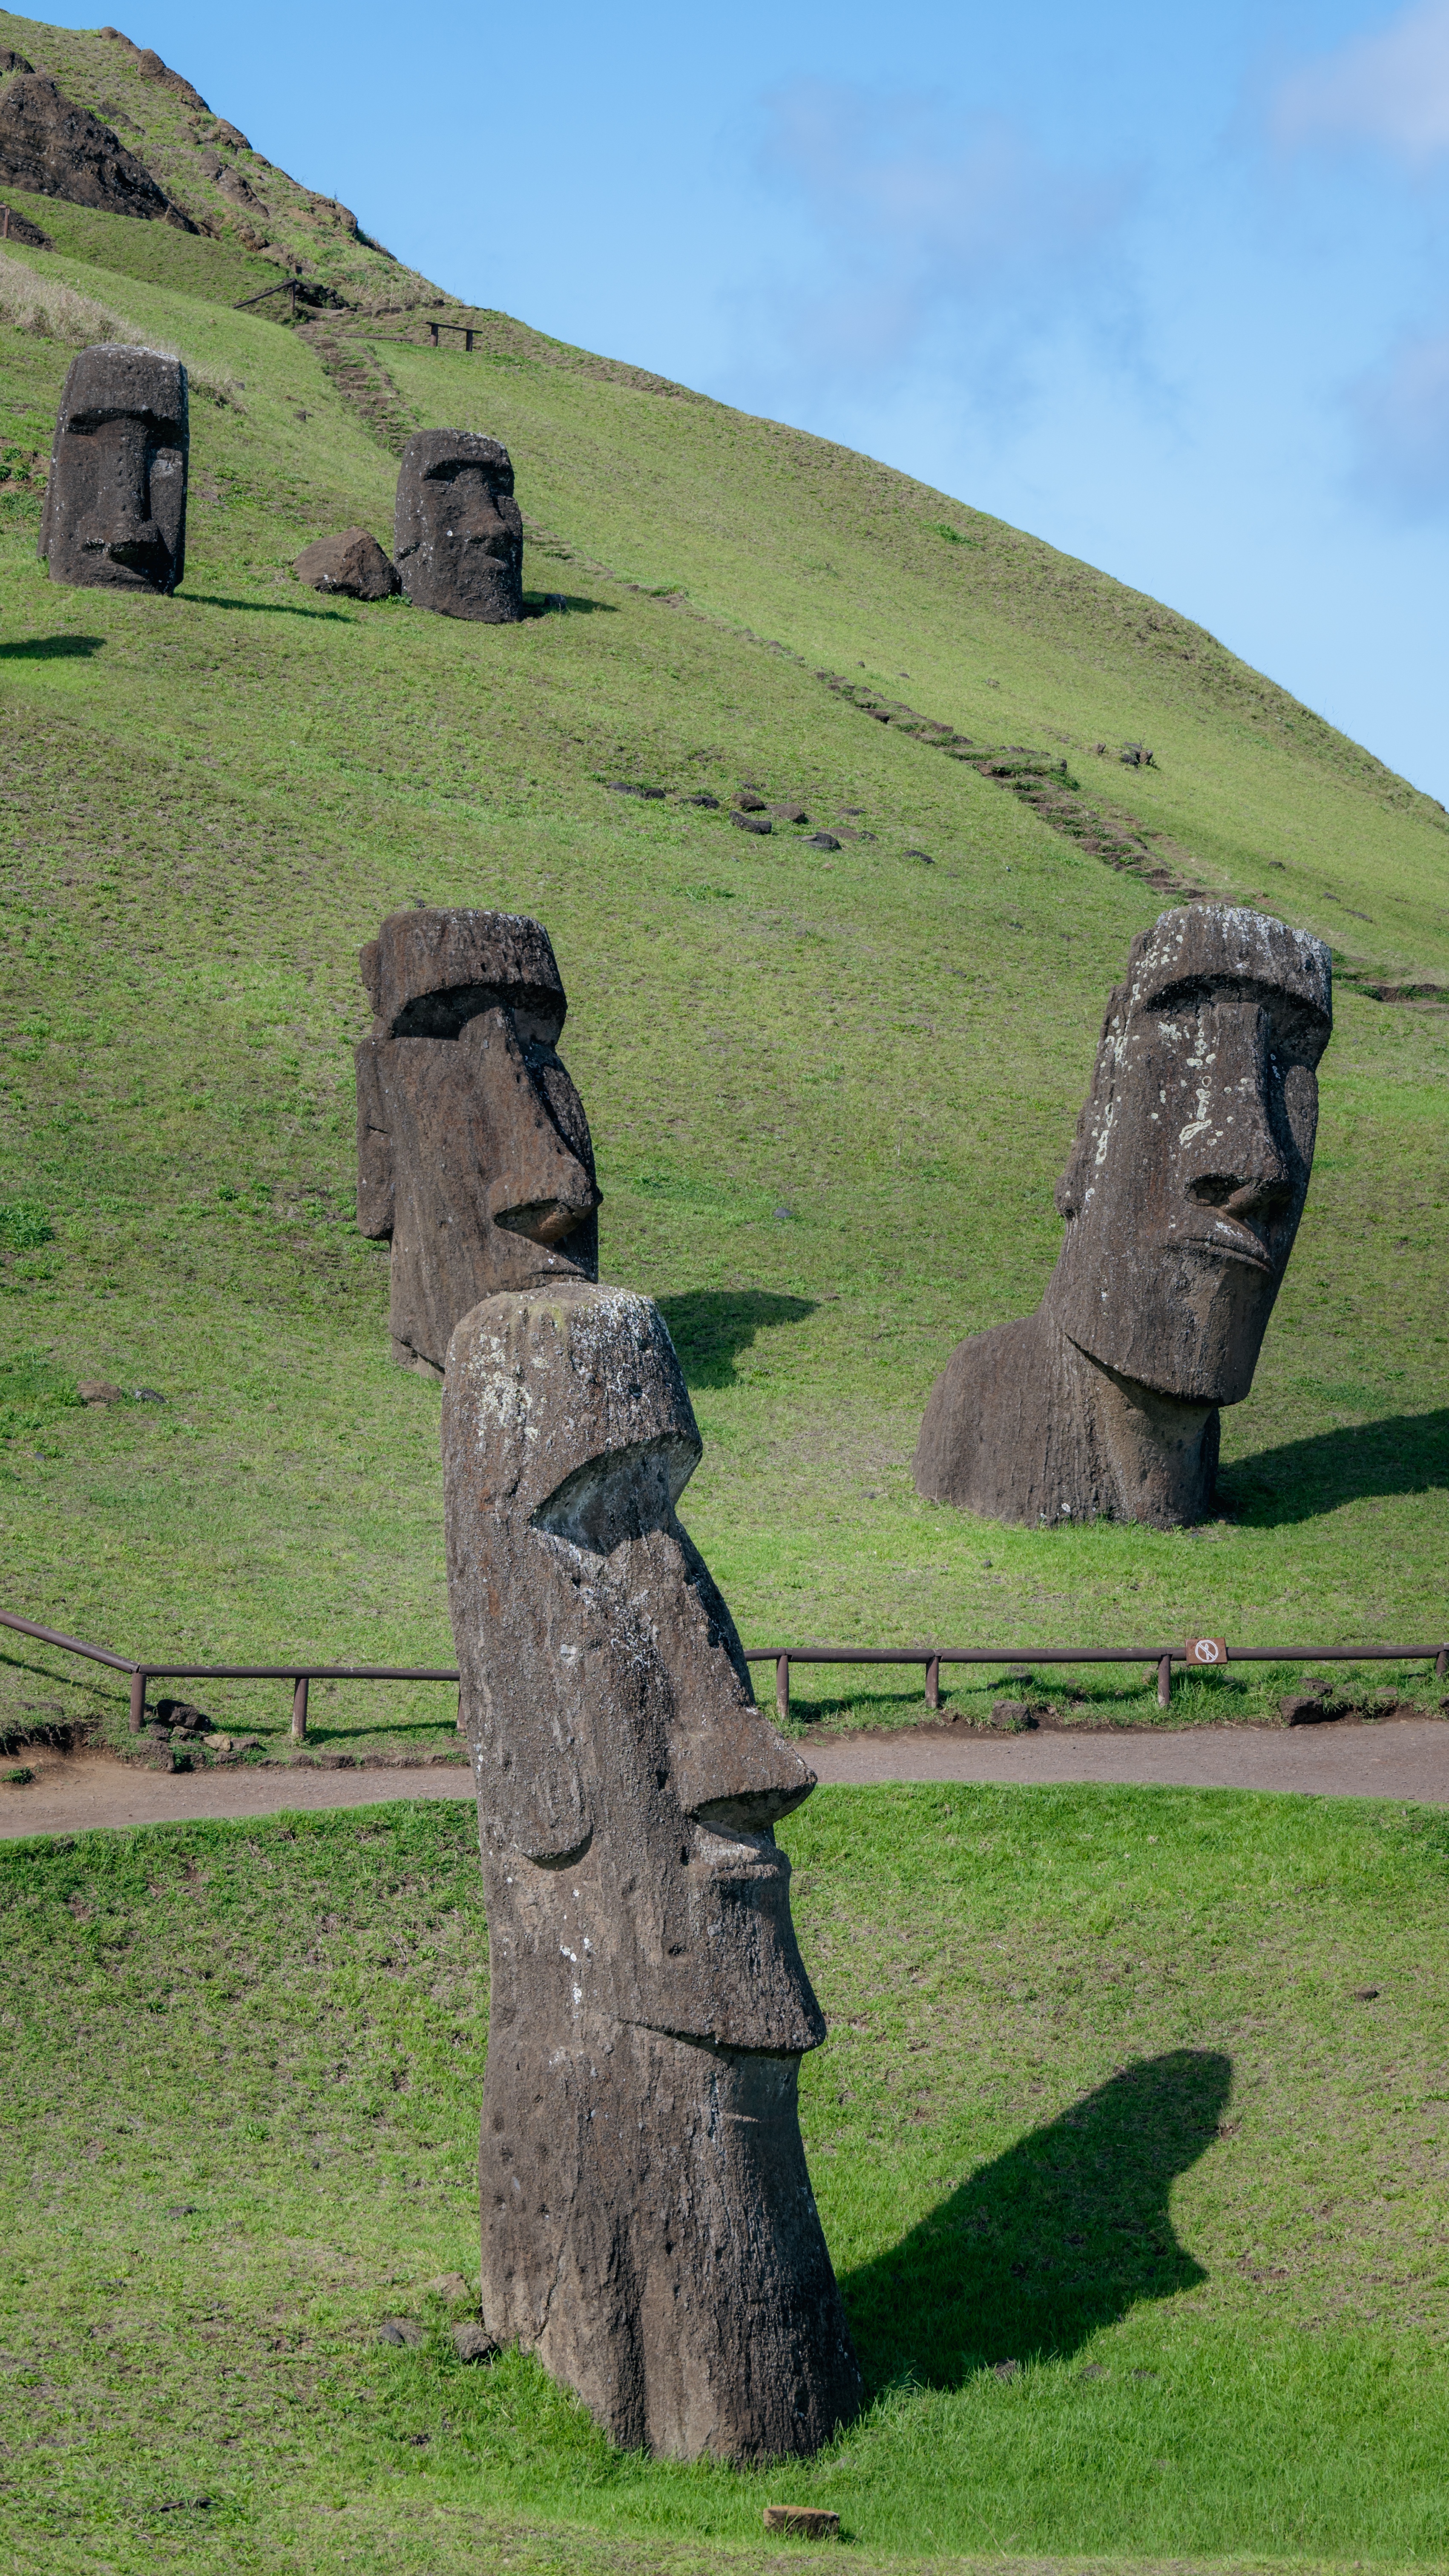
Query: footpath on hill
[{"x": 1394, "y": 1758}]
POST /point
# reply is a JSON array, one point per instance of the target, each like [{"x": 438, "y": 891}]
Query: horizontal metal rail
[{"x": 1009, "y": 1658}]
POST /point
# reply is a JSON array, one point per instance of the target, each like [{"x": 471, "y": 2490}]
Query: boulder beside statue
[
  {"x": 115, "y": 503},
  {"x": 648, "y": 2227},
  {"x": 1182, "y": 1198},
  {"x": 473, "y": 1151},
  {"x": 457, "y": 529}
]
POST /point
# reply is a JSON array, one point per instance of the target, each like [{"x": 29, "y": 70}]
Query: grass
[
  {"x": 1137, "y": 2194},
  {"x": 830, "y": 1094}
]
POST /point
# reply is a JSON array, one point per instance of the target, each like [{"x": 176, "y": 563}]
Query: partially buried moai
[
  {"x": 115, "y": 503},
  {"x": 457, "y": 529},
  {"x": 648, "y": 2226},
  {"x": 1182, "y": 1198},
  {"x": 473, "y": 1150}
]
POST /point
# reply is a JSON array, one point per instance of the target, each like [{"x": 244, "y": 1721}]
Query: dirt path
[{"x": 1399, "y": 1758}]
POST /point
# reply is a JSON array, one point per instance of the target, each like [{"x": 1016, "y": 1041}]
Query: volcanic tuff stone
[
  {"x": 473, "y": 1150},
  {"x": 56, "y": 149},
  {"x": 351, "y": 562},
  {"x": 648, "y": 2224},
  {"x": 457, "y": 529},
  {"x": 1182, "y": 1199},
  {"x": 115, "y": 504}
]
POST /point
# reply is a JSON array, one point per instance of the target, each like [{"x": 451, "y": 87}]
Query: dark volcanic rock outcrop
[{"x": 56, "y": 149}]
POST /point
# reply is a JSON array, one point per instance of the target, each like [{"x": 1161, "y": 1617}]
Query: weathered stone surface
[
  {"x": 99, "y": 1390},
  {"x": 115, "y": 505},
  {"x": 1182, "y": 1199},
  {"x": 647, "y": 2220},
  {"x": 752, "y": 822},
  {"x": 822, "y": 841},
  {"x": 351, "y": 562},
  {"x": 404, "y": 2333},
  {"x": 473, "y": 1151},
  {"x": 803, "y": 2521},
  {"x": 457, "y": 529},
  {"x": 10, "y": 61},
  {"x": 55, "y": 149},
  {"x": 790, "y": 813},
  {"x": 474, "y": 2343},
  {"x": 18, "y": 228}
]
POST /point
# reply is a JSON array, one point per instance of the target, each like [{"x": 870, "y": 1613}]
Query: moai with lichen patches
[
  {"x": 457, "y": 529},
  {"x": 115, "y": 503}
]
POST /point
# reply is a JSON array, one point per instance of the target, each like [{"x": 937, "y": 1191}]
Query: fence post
[
  {"x": 138, "y": 1701},
  {"x": 782, "y": 1686},
  {"x": 433, "y": 331},
  {"x": 933, "y": 1682},
  {"x": 299, "y": 1708},
  {"x": 1441, "y": 1664},
  {"x": 468, "y": 342},
  {"x": 1164, "y": 1682}
]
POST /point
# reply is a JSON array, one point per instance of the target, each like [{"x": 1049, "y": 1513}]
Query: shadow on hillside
[
  {"x": 51, "y": 648},
  {"x": 1404, "y": 1453},
  {"x": 711, "y": 1326},
  {"x": 1050, "y": 2242},
  {"x": 555, "y": 603},
  {"x": 267, "y": 607}
]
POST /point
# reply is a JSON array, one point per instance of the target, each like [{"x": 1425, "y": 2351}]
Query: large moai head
[
  {"x": 115, "y": 504},
  {"x": 1192, "y": 1153},
  {"x": 457, "y": 529},
  {"x": 473, "y": 1149},
  {"x": 648, "y": 2225}
]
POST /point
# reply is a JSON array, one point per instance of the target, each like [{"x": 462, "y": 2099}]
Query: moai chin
[
  {"x": 473, "y": 1151},
  {"x": 115, "y": 504},
  {"x": 1182, "y": 1199},
  {"x": 457, "y": 529},
  {"x": 648, "y": 2226}
]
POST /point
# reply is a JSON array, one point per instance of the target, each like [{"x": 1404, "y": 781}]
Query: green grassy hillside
[
  {"x": 1128, "y": 2142},
  {"x": 830, "y": 1094}
]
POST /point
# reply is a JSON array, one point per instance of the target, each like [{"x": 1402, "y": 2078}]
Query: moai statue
[
  {"x": 648, "y": 2224},
  {"x": 1182, "y": 1199},
  {"x": 473, "y": 1151},
  {"x": 115, "y": 504},
  {"x": 457, "y": 529}
]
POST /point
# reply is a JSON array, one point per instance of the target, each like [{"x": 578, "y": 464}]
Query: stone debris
[
  {"x": 751, "y": 822},
  {"x": 99, "y": 1390},
  {"x": 52, "y": 148},
  {"x": 351, "y": 563},
  {"x": 822, "y": 841},
  {"x": 404, "y": 2333},
  {"x": 473, "y": 2343},
  {"x": 803, "y": 2521}
]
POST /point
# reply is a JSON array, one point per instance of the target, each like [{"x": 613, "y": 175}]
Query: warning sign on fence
[{"x": 1207, "y": 1650}]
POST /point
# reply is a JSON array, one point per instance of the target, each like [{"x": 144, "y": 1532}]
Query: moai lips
[
  {"x": 457, "y": 529},
  {"x": 473, "y": 1149},
  {"x": 647, "y": 2221},
  {"x": 1182, "y": 1198},
  {"x": 115, "y": 504}
]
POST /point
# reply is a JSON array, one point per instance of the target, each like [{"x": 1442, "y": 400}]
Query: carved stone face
[
  {"x": 474, "y": 1152},
  {"x": 627, "y": 1785},
  {"x": 458, "y": 531},
  {"x": 1193, "y": 1152},
  {"x": 115, "y": 505}
]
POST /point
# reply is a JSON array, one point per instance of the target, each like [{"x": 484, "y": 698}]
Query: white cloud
[
  {"x": 1391, "y": 89},
  {"x": 915, "y": 226},
  {"x": 1403, "y": 428}
]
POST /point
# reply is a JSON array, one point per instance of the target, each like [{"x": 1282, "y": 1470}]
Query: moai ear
[
  {"x": 526, "y": 1764},
  {"x": 375, "y": 1193},
  {"x": 369, "y": 966}
]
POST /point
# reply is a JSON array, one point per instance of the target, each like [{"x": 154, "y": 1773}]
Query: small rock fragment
[
  {"x": 822, "y": 841},
  {"x": 790, "y": 813},
  {"x": 1308, "y": 1708},
  {"x": 403, "y": 2332},
  {"x": 747, "y": 802},
  {"x": 352, "y": 563},
  {"x": 99, "y": 1390},
  {"x": 148, "y": 1395},
  {"x": 1006, "y": 2369},
  {"x": 711, "y": 803},
  {"x": 803, "y": 2521},
  {"x": 450, "y": 2286},
  {"x": 1012, "y": 1717},
  {"x": 752, "y": 822},
  {"x": 473, "y": 2343}
]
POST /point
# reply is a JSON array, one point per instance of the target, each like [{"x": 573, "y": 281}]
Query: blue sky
[{"x": 1167, "y": 288}]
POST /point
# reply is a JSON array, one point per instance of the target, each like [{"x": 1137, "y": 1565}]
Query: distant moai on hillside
[
  {"x": 115, "y": 504},
  {"x": 473, "y": 1150},
  {"x": 457, "y": 529},
  {"x": 1182, "y": 1198}
]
